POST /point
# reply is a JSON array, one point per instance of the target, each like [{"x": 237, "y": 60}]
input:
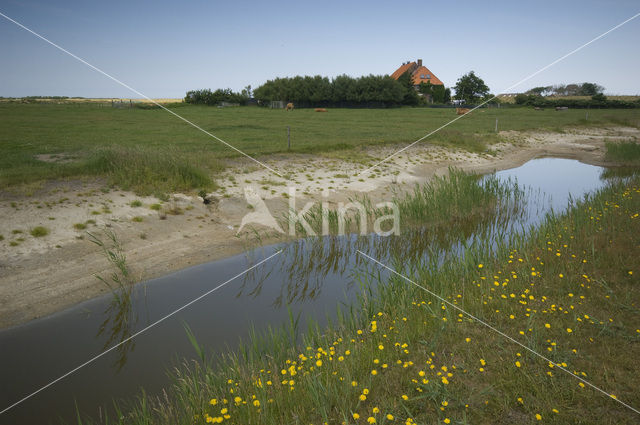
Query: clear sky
[{"x": 164, "y": 48}]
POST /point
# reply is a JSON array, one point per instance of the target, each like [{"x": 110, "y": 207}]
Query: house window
[
  {"x": 422, "y": 76},
  {"x": 428, "y": 76}
]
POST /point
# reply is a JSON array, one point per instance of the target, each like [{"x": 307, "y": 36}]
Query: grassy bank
[
  {"x": 627, "y": 153},
  {"x": 568, "y": 291},
  {"x": 148, "y": 150}
]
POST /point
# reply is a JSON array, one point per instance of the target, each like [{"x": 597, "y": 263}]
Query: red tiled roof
[
  {"x": 417, "y": 73},
  {"x": 423, "y": 71},
  {"x": 404, "y": 68}
]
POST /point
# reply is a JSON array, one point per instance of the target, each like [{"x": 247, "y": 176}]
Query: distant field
[{"x": 150, "y": 151}]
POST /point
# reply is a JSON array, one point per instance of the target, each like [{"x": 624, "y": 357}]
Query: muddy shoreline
[{"x": 40, "y": 276}]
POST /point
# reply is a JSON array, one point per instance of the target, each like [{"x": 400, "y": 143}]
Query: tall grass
[{"x": 624, "y": 152}]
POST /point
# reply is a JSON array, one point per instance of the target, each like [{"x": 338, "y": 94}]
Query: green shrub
[{"x": 39, "y": 231}]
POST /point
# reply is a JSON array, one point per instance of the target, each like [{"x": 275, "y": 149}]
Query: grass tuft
[{"x": 39, "y": 231}]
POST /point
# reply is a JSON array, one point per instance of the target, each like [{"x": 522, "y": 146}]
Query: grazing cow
[
  {"x": 537, "y": 108},
  {"x": 321, "y": 110},
  {"x": 561, "y": 108},
  {"x": 462, "y": 111},
  {"x": 289, "y": 106}
]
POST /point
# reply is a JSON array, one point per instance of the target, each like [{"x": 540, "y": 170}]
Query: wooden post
[
  {"x": 496, "y": 125},
  {"x": 288, "y": 138}
]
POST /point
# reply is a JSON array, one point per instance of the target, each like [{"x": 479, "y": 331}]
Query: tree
[
  {"x": 410, "y": 96},
  {"x": 470, "y": 88},
  {"x": 540, "y": 91},
  {"x": 591, "y": 89}
]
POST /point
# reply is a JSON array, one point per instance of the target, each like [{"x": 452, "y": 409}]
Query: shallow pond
[{"x": 307, "y": 278}]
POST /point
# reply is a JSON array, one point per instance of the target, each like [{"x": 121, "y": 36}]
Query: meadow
[
  {"x": 151, "y": 152},
  {"x": 567, "y": 291}
]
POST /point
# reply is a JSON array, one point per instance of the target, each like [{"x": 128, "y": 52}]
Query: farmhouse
[{"x": 419, "y": 73}]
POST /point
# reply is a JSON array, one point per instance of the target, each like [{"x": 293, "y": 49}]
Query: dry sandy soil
[{"x": 41, "y": 275}]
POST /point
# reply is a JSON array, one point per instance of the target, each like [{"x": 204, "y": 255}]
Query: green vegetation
[
  {"x": 343, "y": 90},
  {"x": 624, "y": 152},
  {"x": 566, "y": 290},
  {"x": 207, "y": 97},
  {"x": 471, "y": 88},
  {"x": 80, "y": 226},
  {"x": 138, "y": 219},
  {"x": 152, "y": 152},
  {"x": 39, "y": 231},
  {"x": 136, "y": 203}
]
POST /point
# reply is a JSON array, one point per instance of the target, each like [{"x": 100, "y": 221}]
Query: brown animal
[
  {"x": 462, "y": 111},
  {"x": 289, "y": 106},
  {"x": 321, "y": 110}
]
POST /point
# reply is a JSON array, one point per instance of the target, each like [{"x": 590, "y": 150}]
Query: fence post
[
  {"x": 288, "y": 138},
  {"x": 496, "y": 125}
]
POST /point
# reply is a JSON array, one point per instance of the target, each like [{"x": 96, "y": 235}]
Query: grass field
[
  {"x": 568, "y": 290},
  {"x": 150, "y": 151}
]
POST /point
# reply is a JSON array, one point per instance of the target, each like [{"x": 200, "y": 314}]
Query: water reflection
[
  {"x": 305, "y": 263},
  {"x": 119, "y": 324}
]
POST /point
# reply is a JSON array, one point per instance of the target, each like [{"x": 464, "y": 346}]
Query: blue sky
[{"x": 164, "y": 48}]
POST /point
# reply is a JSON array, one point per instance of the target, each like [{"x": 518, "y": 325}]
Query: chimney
[{"x": 419, "y": 63}]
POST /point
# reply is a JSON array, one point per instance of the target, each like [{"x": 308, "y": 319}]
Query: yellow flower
[
  {"x": 371, "y": 420},
  {"x": 256, "y": 403},
  {"x": 356, "y": 416},
  {"x": 518, "y": 364},
  {"x": 237, "y": 400},
  {"x": 482, "y": 362},
  {"x": 569, "y": 330},
  {"x": 389, "y": 417},
  {"x": 546, "y": 325},
  {"x": 480, "y": 266},
  {"x": 405, "y": 397},
  {"x": 380, "y": 347},
  {"x": 213, "y": 402},
  {"x": 354, "y": 383},
  {"x": 445, "y": 403},
  {"x": 374, "y": 372},
  {"x": 363, "y": 397},
  {"x": 447, "y": 421},
  {"x": 538, "y": 416},
  {"x": 224, "y": 411},
  {"x": 467, "y": 339},
  {"x": 365, "y": 391},
  {"x": 319, "y": 363},
  {"x": 376, "y": 410},
  {"x": 445, "y": 381}
]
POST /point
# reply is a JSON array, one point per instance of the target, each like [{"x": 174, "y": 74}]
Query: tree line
[
  {"x": 584, "y": 89},
  {"x": 212, "y": 98},
  {"x": 343, "y": 90}
]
